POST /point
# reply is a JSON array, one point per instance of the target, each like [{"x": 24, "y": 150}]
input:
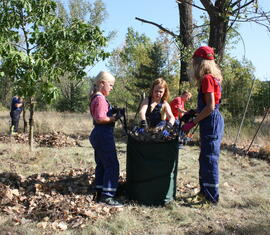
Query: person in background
[
  {"x": 102, "y": 140},
  {"x": 211, "y": 123},
  {"x": 178, "y": 104},
  {"x": 155, "y": 107},
  {"x": 15, "y": 112},
  {"x": 178, "y": 109}
]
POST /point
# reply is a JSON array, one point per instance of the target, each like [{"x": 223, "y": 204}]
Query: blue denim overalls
[
  {"x": 15, "y": 113},
  {"x": 211, "y": 132},
  {"x": 107, "y": 165},
  {"x": 153, "y": 118}
]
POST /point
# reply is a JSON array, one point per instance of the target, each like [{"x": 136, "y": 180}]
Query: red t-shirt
[
  {"x": 175, "y": 104},
  {"x": 210, "y": 85},
  {"x": 99, "y": 107}
]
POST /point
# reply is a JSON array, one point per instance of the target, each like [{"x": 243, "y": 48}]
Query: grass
[
  {"x": 247, "y": 132},
  {"x": 244, "y": 206}
]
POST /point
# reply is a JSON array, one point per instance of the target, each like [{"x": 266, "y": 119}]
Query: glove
[
  {"x": 168, "y": 126},
  {"x": 186, "y": 127},
  {"x": 118, "y": 115},
  {"x": 143, "y": 124},
  {"x": 165, "y": 133},
  {"x": 114, "y": 110},
  {"x": 161, "y": 124},
  {"x": 188, "y": 115},
  {"x": 140, "y": 130}
]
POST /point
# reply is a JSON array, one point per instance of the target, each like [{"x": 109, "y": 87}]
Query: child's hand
[{"x": 186, "y": 127}]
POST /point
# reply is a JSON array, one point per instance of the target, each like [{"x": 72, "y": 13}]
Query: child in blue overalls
[
  {"x": 15, "y": 112},
  {"x": 155, "y": 107},
  {"x": 102, "y": 140},
  {"x": 210, "y": 120}
]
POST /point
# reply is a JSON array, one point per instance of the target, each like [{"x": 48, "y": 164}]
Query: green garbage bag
[{"x": 151, "y": 171}]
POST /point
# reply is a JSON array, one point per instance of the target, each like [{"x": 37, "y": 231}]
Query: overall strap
[
  {"x": 95, "y": 124},
  {"x": 153, "y": 117},
  {"x": 220, "y": 87}
]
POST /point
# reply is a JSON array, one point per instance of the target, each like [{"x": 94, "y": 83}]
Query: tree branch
[
  {"x": 159, "y": 26},
  {"x": 234, "y": 4},
  {"x": 239, "y": 8},
  {"x": 210, "y": 8},
  {"x": 183, "y": 1}
]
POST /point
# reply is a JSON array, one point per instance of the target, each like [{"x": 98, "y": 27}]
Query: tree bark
[
  {"x": 185, "y": 36},
  {"x": 218, "y": 35},
  {"x": 31, "y": 125},
  {"x": 24, "y": 120}
]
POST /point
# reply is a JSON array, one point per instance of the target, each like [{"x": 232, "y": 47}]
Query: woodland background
[{"x": 46, "y": 47}]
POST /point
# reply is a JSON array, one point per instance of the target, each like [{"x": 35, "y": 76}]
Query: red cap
[{"x": 205, "y": 52}]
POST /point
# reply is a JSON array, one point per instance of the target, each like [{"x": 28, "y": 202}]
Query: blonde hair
[
  {"x": 161, "y": 82},
  {"x": 202, "y": 67},
  {"x": 187, "y": 93},
  {"x": 102, "y": 76}
]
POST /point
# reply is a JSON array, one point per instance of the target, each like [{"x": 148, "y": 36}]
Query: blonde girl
[
  {"x": 210, "y": 120},
  {"x": 102, "y": 140}
]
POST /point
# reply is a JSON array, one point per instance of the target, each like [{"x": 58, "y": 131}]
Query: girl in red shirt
[{"x": 210, "y": 120}]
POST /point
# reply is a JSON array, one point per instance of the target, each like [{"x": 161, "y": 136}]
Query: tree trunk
[
  {"x": 218, "y": 34},
  {"x": 185, "y": 36},
  {"x": 31, "y": 125},
  {"x": 24, "y": 120}
]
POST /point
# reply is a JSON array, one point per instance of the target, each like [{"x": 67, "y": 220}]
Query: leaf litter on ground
[
  {"x": 54, "y": 139},
  {"x": 57, "y": 201}
]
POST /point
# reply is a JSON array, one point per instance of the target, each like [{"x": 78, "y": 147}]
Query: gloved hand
[
  {"x": 139, "y": 130},
  {"x": 114, "y": 109},
  {"x": 143, "y": 124},
  {"x": 161, "y": 124},
  {"x": 118, "y": 115},
  {"x": 189, "y": 115},
  {"x": 168, "y": 126},
  {"x": 186, "y": 127},
  {"x": 165, "y": 133}
]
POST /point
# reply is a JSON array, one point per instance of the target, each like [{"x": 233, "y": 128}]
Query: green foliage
[
  {"x": 237, "y": 83},
  {"x": 72, "y": 93},
  {"x": 6, "y": 85},
  {"x": 137, "y": 64},
  {"x": 125, "y": 64},
  {"x": 135, "y": 50},
  {"x": 262, "y": 97},
  {"x": 147, "y": 73},
  {"x": 39, "y": 47},
  {"x": 76, "y": 103}
]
